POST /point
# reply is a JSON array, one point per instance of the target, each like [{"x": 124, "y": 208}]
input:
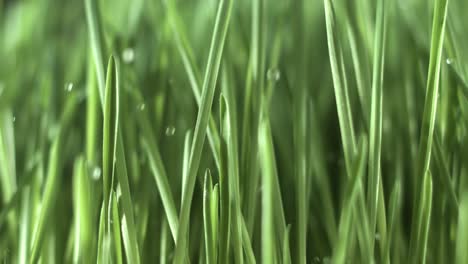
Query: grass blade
[
  {"x": 209, "y": 85},
  {"x": 429, "y": 114},
  {"x": 375, "y": 131}
]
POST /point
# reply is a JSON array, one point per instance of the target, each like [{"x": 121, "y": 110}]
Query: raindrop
[
  {"x": 170, "y": 131},
  {"x": 14, "y": 119},
  {"x": 449, "y": 61},
  {"x": 69, "y": 87},
  {"x": 377, "y": 237},
  {"x": 141, "y": 107},
  {"x": 96, "y": 173},
  {"x": 273, "y": 74},
  {"x": 128, "y": 55}
]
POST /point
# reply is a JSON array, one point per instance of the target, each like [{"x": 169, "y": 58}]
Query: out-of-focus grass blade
[
  {"x": 250, "y": 256},
  {"x": 209, "y": 243},
  {"x": 116, "y": 227},
  {"x": 231, "y": 137},
  {"x": 25, "y": 224},
  {"x": 50, "y": 192},
  {"x": 84, "y": 227},
  {"x": 193, "y": 73},
  {"x": 185, "y": 162},
  {"x": 96, "y": 42},
  {"x": 286, "y": 250},
  {"x": 267, "y": 165},
  {"x": 344, "y": 113},
  {"x": 7, "y": 155},
  {"x": 429, "y": 116},
  {"x": 461, "y": 254},
  {"x": 53, "y": 180},
  {"x": 393, "y": 213},
  {"x": 163, "y": 242},
  {"x": 443, "y": 171},
  {"x": 157, "y": 167},
  {"x": 352, "y": 193},
  {"x": 375, "y": 127},
  {"x": 209, "y": 85},
  {"x": 424, "y": 219}
]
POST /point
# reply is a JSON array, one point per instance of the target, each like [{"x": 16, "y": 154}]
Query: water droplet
[
  {"x": 448, "y": 61},
  {"x": 316, "y": 260},
  {"x": 273, "y": 74},
  {"x": 170, "y": 131},
  {"x": 377, "y": 237},
  {"x": 14, "y": 119},
  {"x": 96, "y": 173},
  {"x": 69, "y": 87},
  {"x": 128, "y": 55},
  {"x": 141, "y": 107}
]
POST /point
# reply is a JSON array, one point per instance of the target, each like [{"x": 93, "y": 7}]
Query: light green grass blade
[
  {"x": 209, "y": 242},
  {"x": 193, "y": 73},
  {"x": 461, "y": 254},
  {"x": 266, "y": 161},
  {"x": 429, "y": 114},
  {"x": 96, "y": 42},
  {"x": 393, "y": 221},
  {"x": 84, "y": 227},
  {"x": 209, "y": 85},
  {"x": 375, "y": 127},
  {"x": 116, "y": 227},
  {"x": 342, "y": 101}
]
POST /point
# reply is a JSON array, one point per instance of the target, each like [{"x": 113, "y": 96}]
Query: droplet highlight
[
  {"x": 170, "y": 131},
  {"x": 273, "y": 75}
]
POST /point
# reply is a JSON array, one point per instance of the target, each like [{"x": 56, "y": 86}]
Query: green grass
[{"x": 233, "y": 131}]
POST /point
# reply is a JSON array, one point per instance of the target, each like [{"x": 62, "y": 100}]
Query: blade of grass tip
[
  {"x": 116, "y": 227},
  {"x": 461, "y": 254},
  {"x": 117, "y": 163},
  {"x": 53, "y": 179},
  {"x": 375, "y": 131},
  {"x": 110, "y": 132},
  {"x": 352, "y": 193},
  {"x": 230, "y": 135},
  {"x": 209, "y": 247},
  {"x": 286, "y": 250},
  {"x": 96, "y": 42},
  {"x": 185, "y": 162},
  {"x": 393, "y": 211},
  {"x": 430, "y": 112},
  {"x": 209, "y": 85},
  {"x": 344, "y": 113},
  {"x": 266, "y": 162},
  {"x": 214, "y": 214},
  {"x": 193, "y": 73}
]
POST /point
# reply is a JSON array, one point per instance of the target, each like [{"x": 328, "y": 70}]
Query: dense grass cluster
[{"x": 234, "y": 131}]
